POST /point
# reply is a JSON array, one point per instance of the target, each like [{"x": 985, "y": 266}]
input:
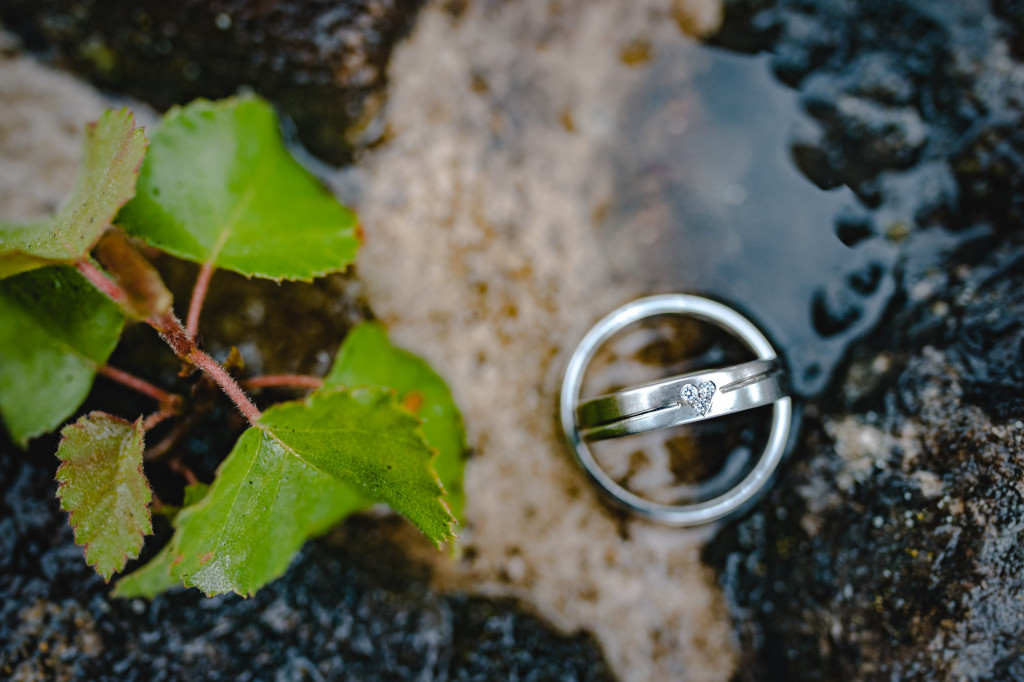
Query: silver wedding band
[
  {"x": 678, "y": 400},
  {"x": 666, "y": 403}
]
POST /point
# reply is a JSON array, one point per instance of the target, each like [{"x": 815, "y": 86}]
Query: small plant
[{"x": 217, "y": 187}]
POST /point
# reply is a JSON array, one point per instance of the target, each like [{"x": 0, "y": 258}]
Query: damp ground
[{"x": 835, "y": 169}]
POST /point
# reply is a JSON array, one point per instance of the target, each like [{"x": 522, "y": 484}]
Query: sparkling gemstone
[{"x": 699, "y": 396}]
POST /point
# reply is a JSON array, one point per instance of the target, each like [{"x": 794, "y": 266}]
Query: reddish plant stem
[
  {"x": 195, "y": 306},
  {"x": 157, "y": 417},
  {"x": 177, "y": 337},
  {"x": 164, "y": 446},
  {"x": 168, "y": 400},
  {"x": 102, "y": 282},
  {"x": 227, "y": 384},
  {"x": 286, "y": 380},
  {"x": 178, "y": 467}
]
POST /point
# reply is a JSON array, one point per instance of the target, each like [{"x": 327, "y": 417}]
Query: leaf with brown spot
[
  {"x": 302, "y": 468},
  {"x": 367, "y": 358},
  {"x": 413, "y": 401},
  {"x": 102, "y": 485}
]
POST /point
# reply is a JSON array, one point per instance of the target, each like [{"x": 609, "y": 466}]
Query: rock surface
[
  {"x": 895, "y": 86},
  {"x": 481, "y": 254},
  {"x": 890, "y": 548},
  {"x": 323, "y": 62},
  {"x": 475, "y": 214},
  {"x": 352, "y": 607}
]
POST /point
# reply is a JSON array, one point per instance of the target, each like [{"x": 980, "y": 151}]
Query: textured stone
[
  {"x": 323, "y": 61},
  {"x": 483, "y": 255},
  {"x": 889, "y": 546},
  {"x": 890, "y": 549},
  {"x": 353, "y": 606},
  {"x": 894, "y": 85}
]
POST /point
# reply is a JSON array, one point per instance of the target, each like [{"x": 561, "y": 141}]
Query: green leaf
[
  {"x": 294, "y": 476},
  {"x": 150, "y": 580},
  {"x": 263, "y": 505},
  {"x": 194, "y": 493},
  {"x": 367, "y": 358},
  {"x": 219, "y": 187},
  {"x": 55, "y": 330},
  {"x": 155, "y": 576},
  {"x": 113, "y": 152},
  {"x": 364, "y": 438},
  {"x": 101, "y": 483}
]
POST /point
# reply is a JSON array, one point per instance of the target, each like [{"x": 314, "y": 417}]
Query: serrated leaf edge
[
  {"x": 173, "y": 547},
  {"x": 118, "y": 591},
  {"x": 62, "y": 484},
  {"x": 376, "y": 327},
  {"x": 128, "y": 117},
  {"x": 204, "y": 105},
  {"x": 134, "y": 130},
  {"x": 417, "y": 430}
]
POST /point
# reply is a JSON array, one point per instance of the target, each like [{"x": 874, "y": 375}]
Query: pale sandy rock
[
  {"x": 482, "y": 255},
  {"x": 41, "y": 116}
]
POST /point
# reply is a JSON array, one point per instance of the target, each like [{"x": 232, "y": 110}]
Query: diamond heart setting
[{"x": 698, "y": 396}]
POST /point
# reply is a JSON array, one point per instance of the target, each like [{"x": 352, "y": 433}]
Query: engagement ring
[{"x": 678, "y": 400}]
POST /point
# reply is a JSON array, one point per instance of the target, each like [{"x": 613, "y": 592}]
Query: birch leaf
[
  {"x": 367, "y": 358},
  {"x": 102, "y": 485},
  {"x": 113, "y": 151},
  {"x": 218, "y": 186},
  {"x": 294, "y": 475},
  {"x": 55, "y": 330}
]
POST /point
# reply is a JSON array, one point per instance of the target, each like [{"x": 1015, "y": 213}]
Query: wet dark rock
[
  {"x": 1013, "y": 12},
  {"x": 322, "y": 61},
  {"x": 990, "y": 173},
  {"x": 718, "y": 205},
  {"x": 989, "y": 345},
  {"x": 874, "y": 135},
  {"x": 908, "y": 112},
  {"x": 897, "y": 84},
  {"x": 352, "y": 606},
  {"x": 891, "y": 548}
]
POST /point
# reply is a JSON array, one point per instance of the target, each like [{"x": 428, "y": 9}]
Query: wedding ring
[
  {"x": 678, "y": 400},
  {"x": 682, "y": 400}
]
